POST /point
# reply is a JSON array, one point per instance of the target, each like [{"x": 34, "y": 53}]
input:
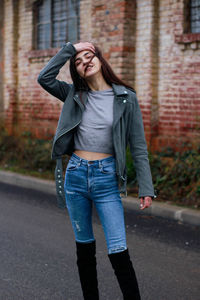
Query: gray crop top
[{"x": 94, "y": 133}]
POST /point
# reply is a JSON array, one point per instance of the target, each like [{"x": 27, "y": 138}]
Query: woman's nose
[{"x": 85, "y": 61}]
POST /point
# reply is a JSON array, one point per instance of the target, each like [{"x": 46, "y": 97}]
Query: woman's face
[{"x": 87, "y": 64}]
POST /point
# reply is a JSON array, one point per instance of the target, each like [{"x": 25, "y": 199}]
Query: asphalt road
[{"x": 37, "y": 253}]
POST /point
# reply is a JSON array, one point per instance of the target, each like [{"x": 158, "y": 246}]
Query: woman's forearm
[{"x": 47, "y": 77}]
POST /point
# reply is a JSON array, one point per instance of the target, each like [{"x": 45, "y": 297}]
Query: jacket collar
[{"x": 119, "y": 90}]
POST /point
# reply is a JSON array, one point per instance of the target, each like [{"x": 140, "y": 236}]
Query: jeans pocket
[
  {"x": 108, "y": 168},
  {"x": 72, "y": 165}
]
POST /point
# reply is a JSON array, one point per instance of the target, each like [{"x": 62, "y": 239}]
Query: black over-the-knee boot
[
  {"x": 86, "y": 262},
  {"x": 125, "y": 274}
]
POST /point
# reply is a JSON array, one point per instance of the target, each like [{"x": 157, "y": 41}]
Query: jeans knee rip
[
  {"x": 117, "y": 249},
  {"x": 76, "y": 223}
]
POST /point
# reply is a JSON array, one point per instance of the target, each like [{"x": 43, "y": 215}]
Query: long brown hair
[{"x": 107, "y": 72}]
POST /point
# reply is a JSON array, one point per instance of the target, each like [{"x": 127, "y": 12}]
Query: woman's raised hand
[{"x": 84, "y": 46}]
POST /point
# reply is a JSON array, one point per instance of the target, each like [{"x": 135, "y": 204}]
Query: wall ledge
[
  {"x": 187, "y": 38},
  {"x": 34, "y": 55}
]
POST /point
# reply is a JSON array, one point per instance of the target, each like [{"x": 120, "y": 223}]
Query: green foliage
[
  {"x": 26, "y": 154},
  {"x": 176, "y": 175}
]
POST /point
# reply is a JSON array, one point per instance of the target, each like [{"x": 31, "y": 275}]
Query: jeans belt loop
[{"x": 99, "y": 164}]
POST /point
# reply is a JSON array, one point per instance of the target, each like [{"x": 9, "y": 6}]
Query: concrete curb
[
  {"x": 30, "y": 182},
  {"x": 177, "y": 213}
]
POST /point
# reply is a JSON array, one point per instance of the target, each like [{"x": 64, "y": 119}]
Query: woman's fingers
[
  {"x": 84, "y": 46},
  {"x": 145, "y": 202},
  {"x": 141, "y": 203}
]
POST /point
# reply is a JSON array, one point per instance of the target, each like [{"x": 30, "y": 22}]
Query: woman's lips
[{"x": 88, "y": 68}]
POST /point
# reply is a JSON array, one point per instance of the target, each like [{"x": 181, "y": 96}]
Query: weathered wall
[
  {"x": 179, "y": 74},
  {"x": 146, "y": 63},
  {"x": 10, "y": 64},
  {"x": 1, "y": 58},
  {"x": 144, "y": 43}
]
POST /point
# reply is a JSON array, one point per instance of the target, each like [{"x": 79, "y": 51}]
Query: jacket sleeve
[
  {"x": 138, "y": 148},
  {"x": 47, "y": 77}
]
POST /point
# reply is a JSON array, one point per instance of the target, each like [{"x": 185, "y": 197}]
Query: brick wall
[
  {"x": 144, "y": 43},
  {"x": 1, "y": 59},
  {"x": 178, "y": 88},
  {"x": 146, "y": 64},
  {"x": 113, "y": 24},
  {"x": 10, "y": 64}
]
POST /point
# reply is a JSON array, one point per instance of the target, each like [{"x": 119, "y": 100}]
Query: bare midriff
[{"x": 91, "y": 155}]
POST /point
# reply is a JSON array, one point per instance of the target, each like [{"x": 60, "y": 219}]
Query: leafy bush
[
  {"x": 26, "y": 154},
  {"x": 176, "y": 175}
]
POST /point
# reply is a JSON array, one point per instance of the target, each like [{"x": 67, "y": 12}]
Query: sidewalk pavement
[{"x": 177, "y": 213}]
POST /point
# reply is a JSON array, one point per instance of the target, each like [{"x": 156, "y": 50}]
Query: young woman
[{"x": 99, "y": 118}]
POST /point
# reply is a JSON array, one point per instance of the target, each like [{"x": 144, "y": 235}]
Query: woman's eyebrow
[{"x": 80, "y": 57}]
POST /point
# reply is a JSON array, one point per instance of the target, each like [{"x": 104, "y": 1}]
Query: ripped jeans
[{"x": 95, "y": 182}]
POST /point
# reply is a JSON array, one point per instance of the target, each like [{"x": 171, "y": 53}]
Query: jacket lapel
[
  {"x": 119, "y": 104},
  {"x": 81, "y": 98}
]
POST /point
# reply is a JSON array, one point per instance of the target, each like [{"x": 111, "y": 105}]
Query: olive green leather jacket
[{"x": 127, "y": 126}]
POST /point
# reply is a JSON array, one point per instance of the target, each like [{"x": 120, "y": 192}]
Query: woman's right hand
[{"x": 84, "y": 46}]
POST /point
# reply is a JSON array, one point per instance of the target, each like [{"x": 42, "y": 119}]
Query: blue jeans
[{"x": 95, "y": 182}]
